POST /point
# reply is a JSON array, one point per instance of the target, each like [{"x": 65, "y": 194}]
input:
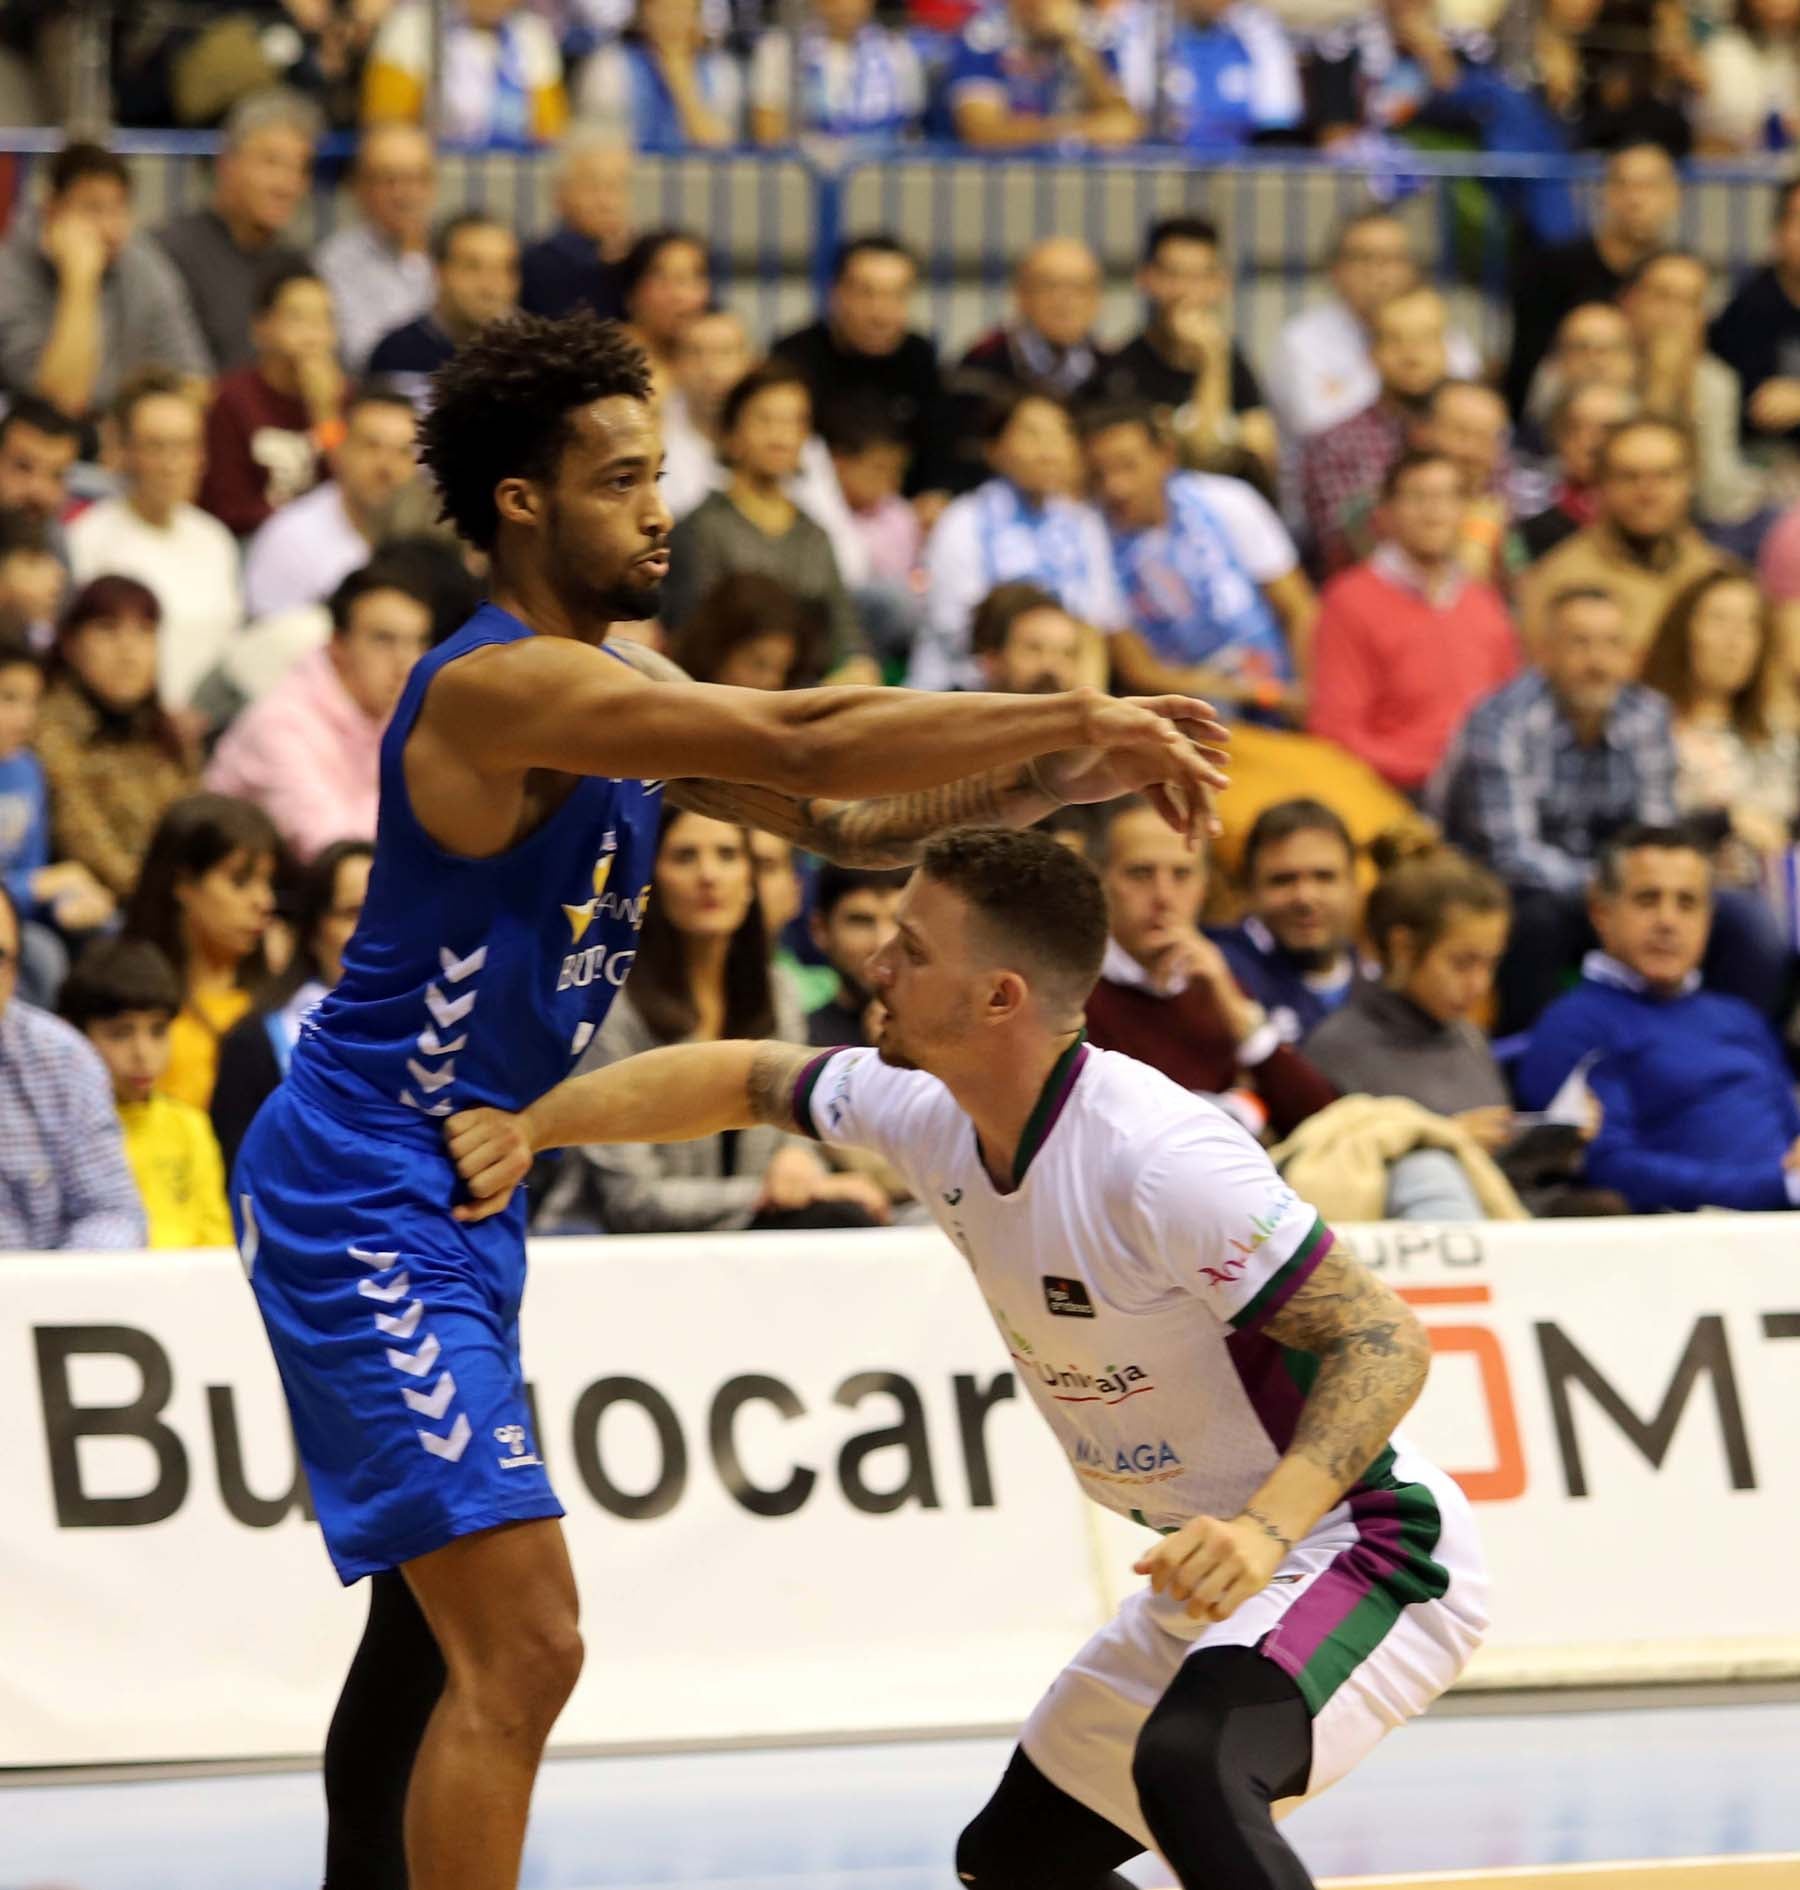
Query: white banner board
[{"x": 806, "y": 1497}]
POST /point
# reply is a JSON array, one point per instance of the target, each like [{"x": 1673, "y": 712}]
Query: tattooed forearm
[
  {"x": 889, "y": 830},
  {"x": 774, "y": 1070},
  {"x": 1372, "y": 1354}
]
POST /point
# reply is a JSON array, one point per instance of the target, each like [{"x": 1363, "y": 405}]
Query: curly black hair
[{"x": 500, "y": 407}]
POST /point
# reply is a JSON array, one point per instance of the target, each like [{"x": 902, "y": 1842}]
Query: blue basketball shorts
[{"x": 396, "y": 1332}]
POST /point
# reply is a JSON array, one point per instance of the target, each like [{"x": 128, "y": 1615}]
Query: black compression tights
[
  {"x": 393, "y": 1685},
  {"x": 1230, "y": 1736}
]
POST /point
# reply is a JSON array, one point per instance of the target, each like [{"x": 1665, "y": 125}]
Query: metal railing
[{"x": 773, "y": 219}]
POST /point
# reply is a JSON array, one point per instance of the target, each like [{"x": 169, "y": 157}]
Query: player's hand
[
  {"x": 492, "y": 1153},
  {"x": 1213, "y": 1566},
  {"x": 1169, "y": 747}
]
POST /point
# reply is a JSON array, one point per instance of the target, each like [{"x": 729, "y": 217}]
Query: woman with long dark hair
[
  {"x": 702, "y": 973},
  {"x": 253, "y": 1055},
  {"x": 1737, "y": 759},
  {"x": 112, "y": 756},
  {"x": 206, "y": 896}
]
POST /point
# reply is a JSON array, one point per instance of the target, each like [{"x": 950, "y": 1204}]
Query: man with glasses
[
  {"x": 1642, "y": 547},
  {"x": 378, "y": 269},
  {"x": 64, "y": 1184}
]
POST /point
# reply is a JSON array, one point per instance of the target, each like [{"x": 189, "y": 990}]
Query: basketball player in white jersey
[{"x": 1213, "y": 1367}]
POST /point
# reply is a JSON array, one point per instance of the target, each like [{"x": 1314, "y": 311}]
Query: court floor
[{"x": 1459, "y": 1792}]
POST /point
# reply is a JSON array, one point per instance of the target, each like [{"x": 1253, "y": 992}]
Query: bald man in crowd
[{"x": 1047, "y": 346}]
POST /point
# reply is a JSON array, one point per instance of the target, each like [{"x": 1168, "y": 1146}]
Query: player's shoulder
[
  {"x": 854, "y": 1084},
  {"x": 1137, "y": 1116}
]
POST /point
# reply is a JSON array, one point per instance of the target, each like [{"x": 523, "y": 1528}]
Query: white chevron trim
[
  {"x": 379, "y": 1261},
  {"x": 416, "y": 1364},
  {"x": 398, "y": 1288},
  {"x": 579, "y": 1042},
  {"x": 428, "y": 1109},
  {"x": 457, "y": 969},
  {"x": 430, "y": 1081},
  {"x": 434, "y": 1046},
  {"x": 401, "y": 1325},
  {"x": 252, "y": 1240},
  {"x": 447, "y": 1011},
  {"x": 433, "y": 1403},
  {"x": 452, "y": 1447}
]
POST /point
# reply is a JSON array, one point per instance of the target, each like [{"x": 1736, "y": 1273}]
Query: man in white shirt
[
  {"x": 1323, "y": 371},
  {"x": 711, "y": 357},
  {"x": 306, "y": 548},
  {"x": 1214, "y": 1370},
  {"x": 379, "y": 268},
  {"x": 154, "y": 532}
]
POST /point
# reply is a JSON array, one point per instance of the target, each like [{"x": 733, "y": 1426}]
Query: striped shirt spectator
[
  {"x": 1521, "y": 790},
  {"x": 64, "y": 1183}
]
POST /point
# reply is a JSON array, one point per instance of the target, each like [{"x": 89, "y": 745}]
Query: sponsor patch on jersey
[{"x": 1068, "y": 1299}]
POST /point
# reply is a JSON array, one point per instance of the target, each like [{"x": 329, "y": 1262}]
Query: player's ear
[
  {"x": 518, "y": 501},
  {"x": 1007, "y": 997}
]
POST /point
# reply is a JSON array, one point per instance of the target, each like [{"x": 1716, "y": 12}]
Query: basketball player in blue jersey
[{"x": 521, "y": 777}]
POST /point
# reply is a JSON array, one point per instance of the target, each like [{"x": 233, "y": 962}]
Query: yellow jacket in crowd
[{"x": 175, "y": 1160}]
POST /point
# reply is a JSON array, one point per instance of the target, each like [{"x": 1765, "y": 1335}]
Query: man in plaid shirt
[
  {"x": 1341, "y": 469},
  {"x": 63, "y": 1178},
  {"x": 1549, "y": 768}
]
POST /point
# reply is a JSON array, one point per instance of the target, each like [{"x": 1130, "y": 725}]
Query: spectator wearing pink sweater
[
  {"x": 1406, "y": 644},
  {"x": 309, "y": 752}
]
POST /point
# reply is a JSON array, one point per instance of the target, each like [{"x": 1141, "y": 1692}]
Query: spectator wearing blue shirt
[
  {"x": 577, "y": 265},
  {"x": 1230, "y": 75},
  {"x": 1294, "y": 950},
  {"x": 856, "y": 80},
  {"x": 64, "y": 1183},
  {"x": 1545, "y": 772},
  {"x": 1020, "y": 525},
  {"x": 1217, "y": 602},
  {"x": 1028, "y": 74},
  {"x": 661, "y": 86},
  {"x": 64, "y": 892},
  {"x": 476, "y": 258},
  {"x": 1699, "y": 1106}
]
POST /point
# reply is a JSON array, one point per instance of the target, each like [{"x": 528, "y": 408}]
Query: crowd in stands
[
  {"x": 1504, "y": 913},
  {"x": 1714, "y": 79}
]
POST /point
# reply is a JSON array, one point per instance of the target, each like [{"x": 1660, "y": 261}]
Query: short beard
[{"x": 619, "y": 602}]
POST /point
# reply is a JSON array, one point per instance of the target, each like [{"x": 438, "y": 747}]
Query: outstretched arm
[
  {"x": 890, "y": 829},
  {"x": 677, "y": 1094},
  {"x": 1372, "y": 1355}
]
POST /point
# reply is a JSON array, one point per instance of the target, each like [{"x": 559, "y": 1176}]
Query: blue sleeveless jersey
[{"x": 478, "y": 982}]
